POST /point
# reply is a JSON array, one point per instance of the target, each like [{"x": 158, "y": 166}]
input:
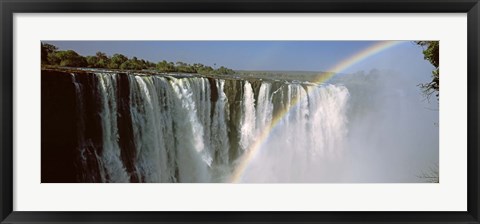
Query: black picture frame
[{"x": 9, "y": 7}]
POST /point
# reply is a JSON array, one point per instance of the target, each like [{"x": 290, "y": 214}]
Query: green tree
[
  {"x": 431, "y": 53},
  {"x": 151, "y": 65},
  {"x": 102, "y": 60},
  {"x": 165, "y": 66},
  {"x": 186, "y": 68},
  {"x": 70, "y": 58},
  {"x": 205, "y": 70},
  {"x": 92, "y": 61},
  {"x": 127, "y": 65},
  {"x": 116, "y": 61},
  {"x": 143, "y": 64},
  {"x": 53, "y": 59},
  {"x": 47, "y": 49},
  {"x": 224, "y": 71},
  {"x": 51, "y": 56}
]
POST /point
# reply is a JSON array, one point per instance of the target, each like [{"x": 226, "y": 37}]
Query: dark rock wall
[
  {"x": 58, "y": 128},
  {"x": 62, "y": 113}
]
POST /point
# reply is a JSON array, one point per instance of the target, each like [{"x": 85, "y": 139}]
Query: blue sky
[{"x": 261, "y": 55}]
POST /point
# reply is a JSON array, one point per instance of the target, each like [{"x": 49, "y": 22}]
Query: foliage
[
  {"x": 223, "y": 70},
  {"x": 102, "y": 60},
  {"x": 116, "y": 61},
  {"x": 92, "y": 61},
  {"x": 204, "y": 70},
  {"x": 165, "y": 66},
  {"x": 69, "y": 58},
  {"x": 47, "y": 49},
  {"x": 184, "y": 67},
  {"x": 431, "y": 53}
]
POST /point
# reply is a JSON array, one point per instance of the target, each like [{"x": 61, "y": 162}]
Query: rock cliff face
[
  {"x": 59, "y": 135},
  {"x": 130, "y": 127}
]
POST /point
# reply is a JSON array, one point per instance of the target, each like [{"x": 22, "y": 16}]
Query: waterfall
[
  {"x": 149, "y": 116},
  {"x": 264, "y": 107},
  {"x": 174, "y": 128},
  {"x": 82, "y": 146},
  {"x": 220, "y": 141},
  {"x": 247, "y": 126},
  {"x": 110, "y": 158},
  {"x": 306, "y": 139},
  {"x": 194, "y": 157}
]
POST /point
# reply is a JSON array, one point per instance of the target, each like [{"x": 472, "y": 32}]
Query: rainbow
[{"x": 255, "y": 147}]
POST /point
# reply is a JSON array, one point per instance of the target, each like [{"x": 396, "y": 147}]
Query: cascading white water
[
  {"x": 81, "y": 116},
  {"x": 264, "y": 108},
  {"x": 149, "y": 117},
  {"x": 193, "y": 158},
  {"x": 183, "y": 131},
  {"x": 328, "y": 121},
  {"x": 113, "y": 168},
  {"x": 170, "y": 127},
  {"x": 82, "y": 144},
  {"x": 302, "y": 142},
  {"x": 220, "y": 143},
  {"x": 247, "y": 124}
]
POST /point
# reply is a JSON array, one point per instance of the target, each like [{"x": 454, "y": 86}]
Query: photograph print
[{"x": 240, "y": 111}]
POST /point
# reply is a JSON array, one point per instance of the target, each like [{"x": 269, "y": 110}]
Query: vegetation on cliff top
[
  {"x": 431, "y": 53},
  {"x": 52, "y": 57}
]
